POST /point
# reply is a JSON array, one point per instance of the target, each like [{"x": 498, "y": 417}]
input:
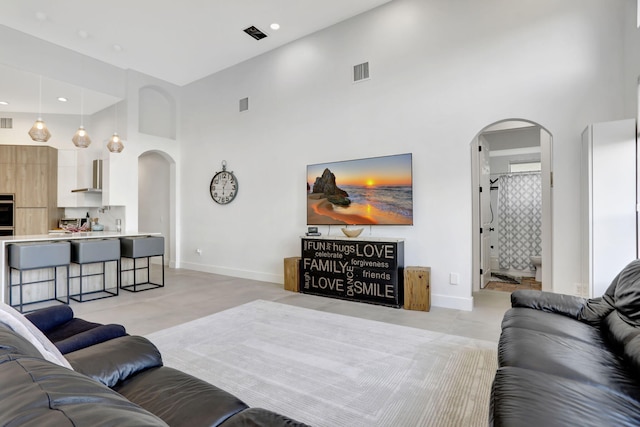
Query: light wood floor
[{"x": 189, "y": 295}]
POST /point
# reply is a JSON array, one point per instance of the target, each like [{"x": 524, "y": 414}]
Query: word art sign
[{"x": 360, "y": 270}]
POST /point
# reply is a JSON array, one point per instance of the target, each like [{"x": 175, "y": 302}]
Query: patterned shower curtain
[{"x": 519, "y": 219}]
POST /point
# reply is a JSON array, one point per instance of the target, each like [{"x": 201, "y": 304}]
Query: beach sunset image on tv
[{"x": 376, "y": 190}]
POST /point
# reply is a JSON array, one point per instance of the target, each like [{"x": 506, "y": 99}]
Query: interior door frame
[{"x": 546, "y": 159}]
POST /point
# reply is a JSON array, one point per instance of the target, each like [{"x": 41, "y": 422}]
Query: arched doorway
[
  {"x": 505, "y": 156},
  {"x": 156, "y": 207}
]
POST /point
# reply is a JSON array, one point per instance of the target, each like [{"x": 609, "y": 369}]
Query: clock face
[{"x": 224, "y": 187}]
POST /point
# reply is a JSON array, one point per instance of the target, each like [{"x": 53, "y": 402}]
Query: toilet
[{"x": 537, "y": 263}]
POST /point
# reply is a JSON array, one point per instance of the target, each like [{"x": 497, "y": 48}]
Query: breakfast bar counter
[{"x": 7, "y": 241}]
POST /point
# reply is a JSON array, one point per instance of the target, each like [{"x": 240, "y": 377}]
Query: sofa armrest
[
  {"x": 567, "y": 305},
  {"x": 91, "y": 337},
  {"x": 115, "y": 360},
  {"x": 49, "y": 318}
]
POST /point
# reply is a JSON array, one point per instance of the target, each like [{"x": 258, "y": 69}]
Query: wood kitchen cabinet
[
  {"x": 31, "y": 221},
  {"x": 31, "y": 174}
]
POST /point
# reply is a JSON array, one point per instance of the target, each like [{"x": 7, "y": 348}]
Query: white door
[{"x": 484, "y": 200}]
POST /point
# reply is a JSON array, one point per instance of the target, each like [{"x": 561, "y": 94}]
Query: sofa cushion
[
  {"x": 566, "y": 305},
  {"x": 38, "y": 393},
  {"x": 69, "y": 329},
  {"x": 90, "y": 337},
  {"x": 551, "y": 323},
  {"x": 180, "y": 399},
  {"x": 565, "y": 357},
  {"x": 627, "y": 293},
  {"x": 49, "y": 318},
  {"x": 112, "y": 361},
  {"x": 522, "y": 397}
]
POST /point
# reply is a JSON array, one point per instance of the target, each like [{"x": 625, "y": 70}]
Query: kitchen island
[{"x": 6, "y": 241}]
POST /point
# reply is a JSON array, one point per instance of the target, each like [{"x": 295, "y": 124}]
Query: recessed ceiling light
[
  {"x": 117, "y": 48},
  {"x": 275, "y": 26},
  {"x": 62, "y": 99},
  {"x": 4, "y": 103},
  {"x": 83, "y": 34}
]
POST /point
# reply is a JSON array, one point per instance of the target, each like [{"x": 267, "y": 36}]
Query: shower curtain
[{"x": 519, "y": 219}]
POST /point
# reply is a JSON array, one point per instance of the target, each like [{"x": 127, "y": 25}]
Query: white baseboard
[
  {"x": 444, "y": 301},
  {"x": 243, "y": 274},
  {"x": 457, "y": 303}
]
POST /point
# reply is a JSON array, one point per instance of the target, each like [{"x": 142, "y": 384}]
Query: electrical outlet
[{"x": 454, "y": 278}]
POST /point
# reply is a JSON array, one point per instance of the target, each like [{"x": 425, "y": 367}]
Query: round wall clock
[{"x": 224, "y": 186}]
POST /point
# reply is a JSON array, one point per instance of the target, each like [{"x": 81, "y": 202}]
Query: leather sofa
[
  {"x": 70, "y": 333},
  {"x": 565, "y": 360},
  {"x": 116, "y": 382}
]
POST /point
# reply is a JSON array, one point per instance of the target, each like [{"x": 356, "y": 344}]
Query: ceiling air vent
[
  {"x": 6, "y": 123},
  {"x": 255, "y": 33},
  {"x": 244, "y": 104},
  {"x": 361, "y": 72}
]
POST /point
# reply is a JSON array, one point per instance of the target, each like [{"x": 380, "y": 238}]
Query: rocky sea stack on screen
[{"x": 326, "y": 184}]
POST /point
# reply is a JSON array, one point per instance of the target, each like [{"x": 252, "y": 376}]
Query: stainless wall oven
[{"x": 7, "y": 215}]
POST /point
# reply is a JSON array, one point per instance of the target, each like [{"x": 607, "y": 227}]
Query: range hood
[{"x": 96, "y": 185}]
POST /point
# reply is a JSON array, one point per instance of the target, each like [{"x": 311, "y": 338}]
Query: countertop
[{"x": 71, "y": 236}]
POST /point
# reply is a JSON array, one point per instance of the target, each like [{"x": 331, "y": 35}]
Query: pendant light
[
  {"x": 39, "y": 131},
  {"x": 115, "y": 144},
  {"x": 81, "y": 137}
]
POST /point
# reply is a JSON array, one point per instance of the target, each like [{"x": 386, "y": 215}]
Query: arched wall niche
[{"x": 156, "y": 112}]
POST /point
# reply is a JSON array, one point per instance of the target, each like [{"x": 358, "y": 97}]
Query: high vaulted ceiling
[{"x": 176, "y": 41}]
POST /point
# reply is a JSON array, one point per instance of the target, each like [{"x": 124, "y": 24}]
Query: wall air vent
[
  {"x": 244, "y": 104},
  {"x": 6, "y": 123},
  {"x": 361, "y": 72},
  {"x": 255, "y": 32}
]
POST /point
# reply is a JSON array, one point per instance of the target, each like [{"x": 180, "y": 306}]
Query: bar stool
[
  {"x": 141, "y": 247},
  {"x": 36, "y": 256},
  {"x": 102, "y": 251}
]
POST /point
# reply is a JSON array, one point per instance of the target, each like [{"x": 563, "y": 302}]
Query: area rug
[{"x": 327, "y": 369}]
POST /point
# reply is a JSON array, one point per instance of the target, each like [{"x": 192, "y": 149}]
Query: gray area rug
[{"x": 332, "y": 370}]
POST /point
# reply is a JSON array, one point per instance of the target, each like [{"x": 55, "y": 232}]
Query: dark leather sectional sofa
[
  {"x": 569, "y": 361},
  {"x": 118, "y": 381}
]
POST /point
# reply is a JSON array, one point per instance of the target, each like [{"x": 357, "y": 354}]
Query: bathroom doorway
[{"x": 512, "y": 182}]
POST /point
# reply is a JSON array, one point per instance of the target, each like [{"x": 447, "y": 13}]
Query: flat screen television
[{"x": 375, "y": 190}]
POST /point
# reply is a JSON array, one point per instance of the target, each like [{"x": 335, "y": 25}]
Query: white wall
[{"x": 441, "y": 71}]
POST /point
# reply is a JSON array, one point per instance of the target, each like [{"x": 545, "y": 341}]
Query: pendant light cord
[
  {"x": 81, "y": 108},
  {"x": 40, "y": 99}
]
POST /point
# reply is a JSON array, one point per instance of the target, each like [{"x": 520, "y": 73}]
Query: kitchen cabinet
[
  {"x": 30, "y": 173},
  {"x": 74, "y": 173},
  {"x": 31, "y": 221},
  {"x": 31, "y": 185}
]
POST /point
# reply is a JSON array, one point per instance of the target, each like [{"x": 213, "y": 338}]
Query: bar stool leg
[{"x": 21, "y": 299}]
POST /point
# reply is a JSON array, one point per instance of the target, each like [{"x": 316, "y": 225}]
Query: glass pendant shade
[
  {"x": 81, "y": 138},
  {"x": 39, "y": 131},
  {"x": 115, "y": 144}
]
